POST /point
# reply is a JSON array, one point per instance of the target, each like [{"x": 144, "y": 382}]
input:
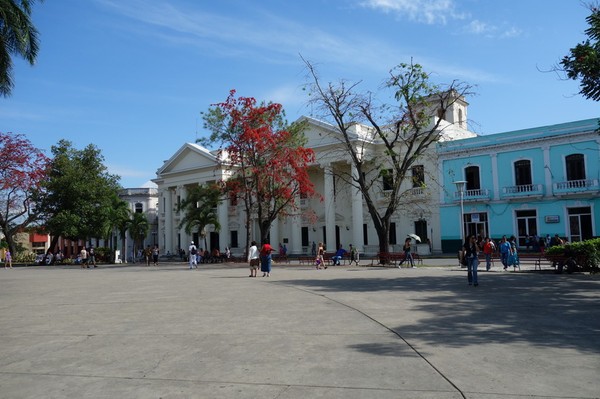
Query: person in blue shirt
[
  {"x": 338, "y": 255},
  {"x": 504, "y": 251}
]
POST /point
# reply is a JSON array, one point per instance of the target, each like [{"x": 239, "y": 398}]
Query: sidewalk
[{"x": 345, "y": 332}]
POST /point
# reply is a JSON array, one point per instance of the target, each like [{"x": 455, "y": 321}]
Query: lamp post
[{"x": 460, "y": 187}]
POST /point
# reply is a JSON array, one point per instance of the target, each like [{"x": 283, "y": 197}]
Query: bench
[
  {"x": 280, "y": 258},
  {"x": 394, "y": 257},
  {"x": 560, "y": 261},
  {"x": 306, "y": 260},
  {"x": 534, "y": 259}
]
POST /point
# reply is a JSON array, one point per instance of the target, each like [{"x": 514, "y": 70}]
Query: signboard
[{"x": 552, "y": 219}]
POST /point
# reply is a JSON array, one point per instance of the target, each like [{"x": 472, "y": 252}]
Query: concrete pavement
[{"x": 344, "y": 332}]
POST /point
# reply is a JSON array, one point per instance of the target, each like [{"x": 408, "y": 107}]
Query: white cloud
[
  {"x": 276, "y": 39},
  {"x": 480, "y": 28},
  {"x": 426, "y": 11}
]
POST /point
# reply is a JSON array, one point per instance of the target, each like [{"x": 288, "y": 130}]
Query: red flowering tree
[
  {"x": 264, "y": 156},
  {"x": 22, "y": 168}
]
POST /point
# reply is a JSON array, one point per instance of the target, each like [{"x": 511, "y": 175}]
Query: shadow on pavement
[{"x": 542, "y": 310}]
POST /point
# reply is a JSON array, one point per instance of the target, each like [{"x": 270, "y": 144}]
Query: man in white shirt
[{"x": 192, "y": 255}]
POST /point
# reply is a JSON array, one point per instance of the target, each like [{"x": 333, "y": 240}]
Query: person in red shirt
[
  {"x": 265, "y": 259},
  {"x": 488, "y": 249}
]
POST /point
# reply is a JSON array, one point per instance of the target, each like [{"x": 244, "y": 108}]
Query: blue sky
[{"x": 132, "y": 76}]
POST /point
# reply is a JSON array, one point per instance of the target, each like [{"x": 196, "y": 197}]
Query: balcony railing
[
  {"x": 576, "y": 186},
  {"x": 473, "y": 195},
  {"x": 524, "y": 190}
]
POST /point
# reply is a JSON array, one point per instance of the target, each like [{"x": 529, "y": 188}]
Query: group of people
[
  {"x": 151, "y": 254},
  {"x": 506, "y": 249},
  {"x": 197, "y": 256},
  {"x": 87, "y": 258},
  {"x": 262, "y": 257},
  {"x": 336, "y": 259}
]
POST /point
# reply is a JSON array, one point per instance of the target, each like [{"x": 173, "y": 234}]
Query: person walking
[
  {"x": 253, "y": 259},
  {"x": 84, "y": 258},
  {"x": 353, "y": 254},
  {"x": 92, "y": 257},
  {"x": 265, "y": 259},
  {"x": 192, "y": 250},
  {"x": 407, "y": 255},
  {"x": 155, "y": 253},
  {"x": 488, "y": 249},
  {"x": 470, "y": 252},
  {"x": 504, "y": 252},
  {"x": 148, "y": 255},
  {"x": 320, "y": 260},
  {"x": 7, "y": 260}
]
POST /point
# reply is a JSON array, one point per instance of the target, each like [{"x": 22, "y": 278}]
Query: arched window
[
  {"x": 440, "y": 113},
  {"x": 139, "y": 208}
]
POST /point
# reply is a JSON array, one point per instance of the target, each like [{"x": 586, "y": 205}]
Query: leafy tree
[
  {"x": 138, "y": 230},
  {"x": 200, "y": 209},
  {"x": 78, "y": 194},
  {"x": 397, "y": 137},
  {"x": 264, "y": 155},
  {"x": 583, "y": 60},
  {"x": 18, "y": 36},
  {"x": 22, "y": 168}
]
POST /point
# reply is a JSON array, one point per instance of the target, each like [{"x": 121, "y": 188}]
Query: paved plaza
[{"x": 127, "y": 331}]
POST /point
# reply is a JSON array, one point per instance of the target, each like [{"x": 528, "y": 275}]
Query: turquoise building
[{"x": 525, "y": 183}]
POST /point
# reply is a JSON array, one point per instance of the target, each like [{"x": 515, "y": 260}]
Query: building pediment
[{"x": 189, "y": 157}]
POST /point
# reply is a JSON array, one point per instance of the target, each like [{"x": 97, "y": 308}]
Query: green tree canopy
[
  {"x": 18, "y": 36},
  {"x": 583, "y": 60},
  {"x": 78, "y": 196}
]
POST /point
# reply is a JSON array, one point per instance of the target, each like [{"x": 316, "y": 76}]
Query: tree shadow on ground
[{"x": 542, "y": 310}]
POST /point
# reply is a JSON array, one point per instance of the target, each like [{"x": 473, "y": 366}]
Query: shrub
[
  {"x": 24, "y": 257},
  {"x": 586, "y": 253},
  {"x": 102, "y": 254}
]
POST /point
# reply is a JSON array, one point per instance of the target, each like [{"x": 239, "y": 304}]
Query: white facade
[
  {"x": 341, "y": 215},
  {"x": 141, "y": 200}
]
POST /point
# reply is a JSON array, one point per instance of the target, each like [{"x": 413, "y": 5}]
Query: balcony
[
  {"x": 523, "y": 191},
  {"x": 479, "y": 194},
  {"x": 574, "y": 187}
]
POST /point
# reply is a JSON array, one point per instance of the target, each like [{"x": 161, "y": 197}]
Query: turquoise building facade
[{"x": 526, "y": 183}]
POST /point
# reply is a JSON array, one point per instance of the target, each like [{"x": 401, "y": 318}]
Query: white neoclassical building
[
  {"x": 341, "y": 215},
  {"x": 140, "y": 200}
]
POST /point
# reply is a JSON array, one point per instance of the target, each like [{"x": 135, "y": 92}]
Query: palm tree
[
  {"x": 138, "y": 230},
  {"x": 200, "y": 209},
  {"x": 18, "y": 36},
  {"x": 120, "y": 215}
]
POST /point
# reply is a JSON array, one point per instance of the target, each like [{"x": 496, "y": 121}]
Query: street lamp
[{"x": 460, "y": 187}]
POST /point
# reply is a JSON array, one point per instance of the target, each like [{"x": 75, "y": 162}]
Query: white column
[
  {"x": 295, "y": 245},
  {"x": 185, "y": 239},
  {"x": 224, "y": 222},
  {"x": 329, "y": 202},
  {"x": 169, "y": 214},
  {"x": 496, "y": 192},
  {"x": 547, "y": 172},
  {"x": 357, "y": 214}
]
